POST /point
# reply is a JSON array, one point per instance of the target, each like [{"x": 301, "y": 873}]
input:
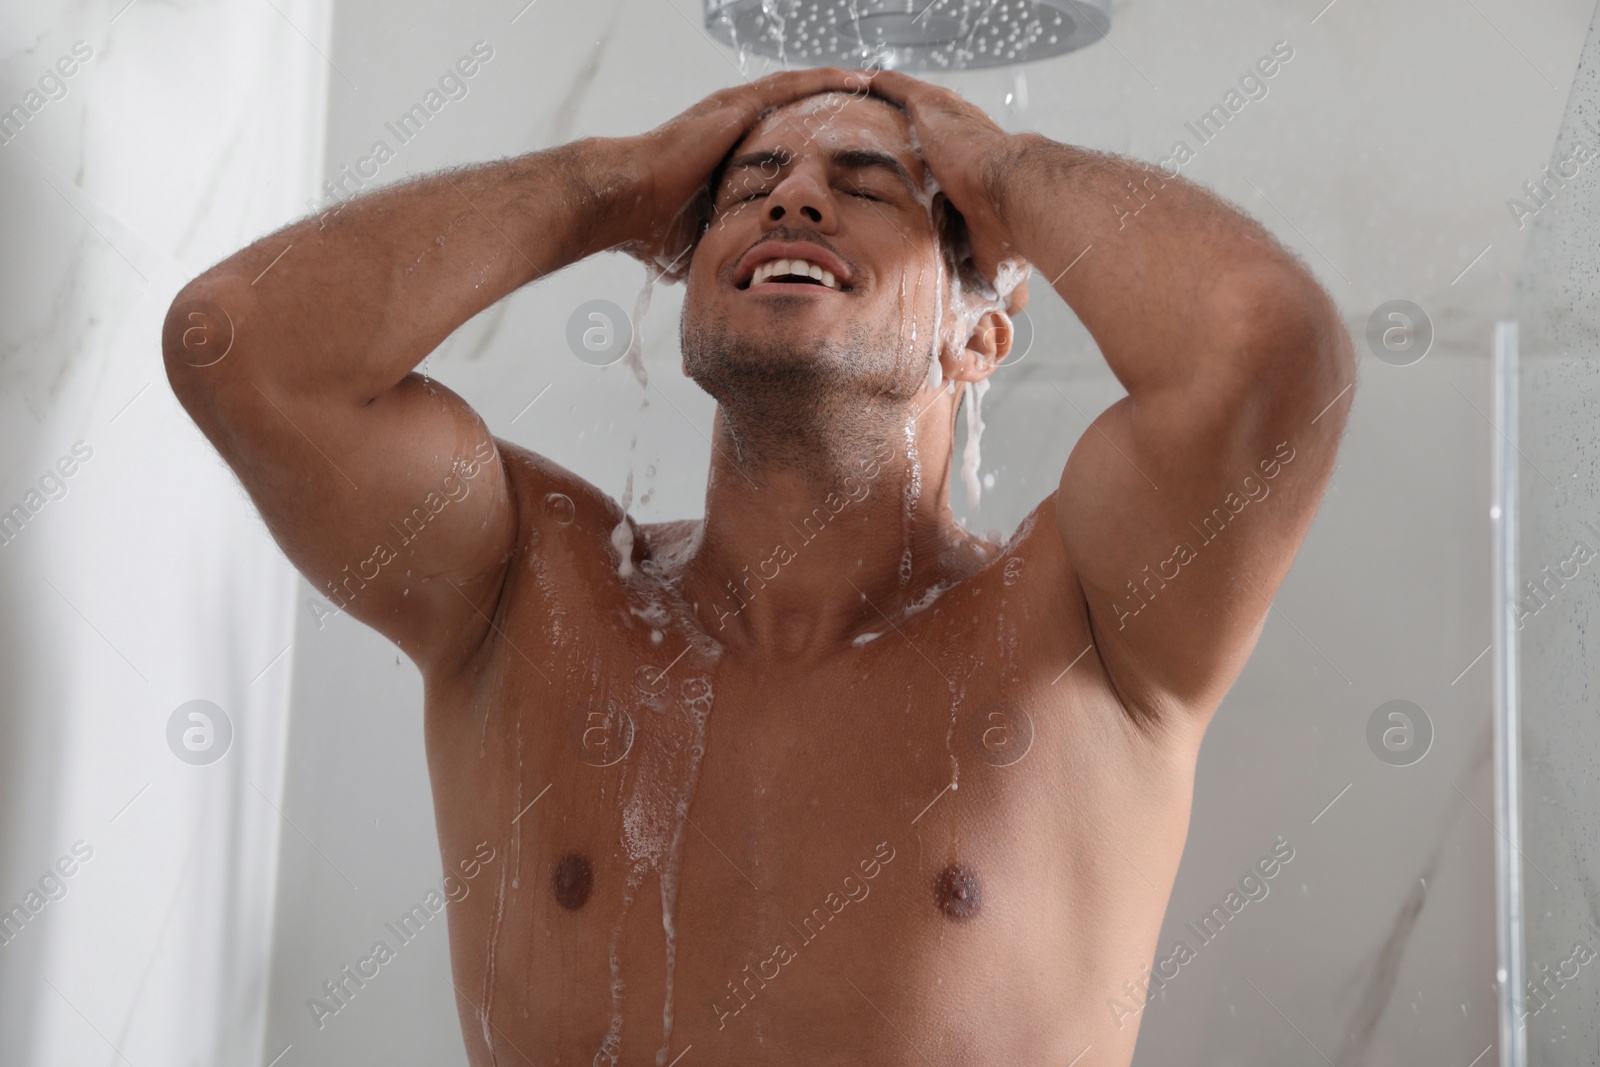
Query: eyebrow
[{"x": 854, "y": 159}]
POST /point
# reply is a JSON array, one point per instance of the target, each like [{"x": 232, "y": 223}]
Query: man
[{"x": 821, "y": 778}]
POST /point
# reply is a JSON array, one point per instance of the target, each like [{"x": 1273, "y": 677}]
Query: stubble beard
[{"x": 808, "y": 405}]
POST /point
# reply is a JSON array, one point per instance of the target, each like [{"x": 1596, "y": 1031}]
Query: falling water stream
[
  {"x": 622, "y": 533},
  {"x": 775, "y": 19},
  {"x": 971, "y": 455}
]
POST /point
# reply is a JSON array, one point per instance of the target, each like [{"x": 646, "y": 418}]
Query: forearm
[
  {"x": 350, "y": 301},
  {"x": 1159, "y": 270}
]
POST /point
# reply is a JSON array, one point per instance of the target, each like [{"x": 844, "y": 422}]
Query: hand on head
[
  {"x": 672, "y": 164},
  {"x": 789, "y": 167},
  {"x": 966, "y": 152}
]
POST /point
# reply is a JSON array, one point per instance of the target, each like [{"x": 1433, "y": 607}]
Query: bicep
[
  {"x": 1182, "y": 511},
  {"x": 397, "y": 509}
]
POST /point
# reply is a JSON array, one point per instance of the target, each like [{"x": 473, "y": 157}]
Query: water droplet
[
  {"x": 559, "y": 506},
  {"x": 650, "y": 680}
]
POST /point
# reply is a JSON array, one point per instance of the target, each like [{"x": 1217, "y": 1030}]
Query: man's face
[{"x": 833, "y": 181}]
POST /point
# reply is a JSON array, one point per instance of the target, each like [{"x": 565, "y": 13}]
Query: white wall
[{"x": 186, "y": 132}]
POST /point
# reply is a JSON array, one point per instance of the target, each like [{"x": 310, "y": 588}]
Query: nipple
[
  {"x": 572, "y": 880},
  {"x": 959, "y": 893}
]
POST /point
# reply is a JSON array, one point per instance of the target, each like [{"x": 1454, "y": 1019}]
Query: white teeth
[{"x": 776, "y": 267}]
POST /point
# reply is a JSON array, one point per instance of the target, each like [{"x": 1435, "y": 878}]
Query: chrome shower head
[{"x": 908, "y": 34}]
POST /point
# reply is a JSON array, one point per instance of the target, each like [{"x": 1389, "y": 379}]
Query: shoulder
[
  {"x": 1038, "y": 578},
  {"x": 549, "y": 495},
  {"x": 577, "y": 540},
  {"x": 561, "y": 558}
]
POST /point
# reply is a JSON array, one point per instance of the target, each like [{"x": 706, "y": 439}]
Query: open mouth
[{"x": 794, "y": 272}]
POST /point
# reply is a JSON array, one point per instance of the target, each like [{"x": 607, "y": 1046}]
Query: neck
[{"x": 812, "y": 541}]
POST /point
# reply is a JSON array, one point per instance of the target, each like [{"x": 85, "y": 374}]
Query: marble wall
[{"x": 139, "y": 143}]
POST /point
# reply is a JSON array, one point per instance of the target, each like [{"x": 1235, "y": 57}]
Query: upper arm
[
  {"x": 396, "y": 507},
  {"x": 1182, "y": 507}
]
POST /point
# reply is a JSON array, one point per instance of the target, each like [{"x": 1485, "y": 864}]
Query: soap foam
[{"x": 971, "y": 456}]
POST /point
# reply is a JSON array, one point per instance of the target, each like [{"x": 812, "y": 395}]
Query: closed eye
[{"x": 854, "y": 192}]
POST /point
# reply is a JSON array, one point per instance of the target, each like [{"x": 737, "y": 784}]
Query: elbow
[
  {"x": 1288, "y": 335},
  {"x": 1290, "y": 355},
  {"x": 199, "y": 336}
]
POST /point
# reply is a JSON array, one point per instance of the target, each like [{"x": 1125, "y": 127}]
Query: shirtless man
[{"x": 822, "y": 778}]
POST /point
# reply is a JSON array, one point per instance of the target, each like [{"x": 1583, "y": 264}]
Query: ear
[{"x": 989, "y": 344}]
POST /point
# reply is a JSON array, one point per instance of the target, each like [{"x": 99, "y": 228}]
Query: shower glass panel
[{"x": 1547, "y": 597}]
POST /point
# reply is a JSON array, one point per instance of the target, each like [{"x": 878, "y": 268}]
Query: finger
[
  {"x": 925, "y": 100},
  {"x": 786, "y": 87},
  {"x": 743, "y": 106},
  {"x": 894, "y": 85}
]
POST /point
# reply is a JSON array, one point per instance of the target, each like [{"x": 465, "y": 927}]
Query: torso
[{"x": 865, "y": 859}]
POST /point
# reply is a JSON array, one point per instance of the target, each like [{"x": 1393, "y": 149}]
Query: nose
[{"x": 800, "y": 199}]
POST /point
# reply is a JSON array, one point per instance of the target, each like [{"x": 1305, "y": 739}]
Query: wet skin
[
  {"x": 1065, "y": 856},
  {"x": 1006, "y": 917}
]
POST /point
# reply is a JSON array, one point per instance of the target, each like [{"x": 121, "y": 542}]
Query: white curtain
[{"x": 142, "y": 142}]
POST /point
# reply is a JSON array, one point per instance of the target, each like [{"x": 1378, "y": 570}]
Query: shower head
[{"x": 908, "y": 34}]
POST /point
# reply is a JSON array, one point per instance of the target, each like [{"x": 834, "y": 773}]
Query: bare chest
[{"x": 691, "y": 844}]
